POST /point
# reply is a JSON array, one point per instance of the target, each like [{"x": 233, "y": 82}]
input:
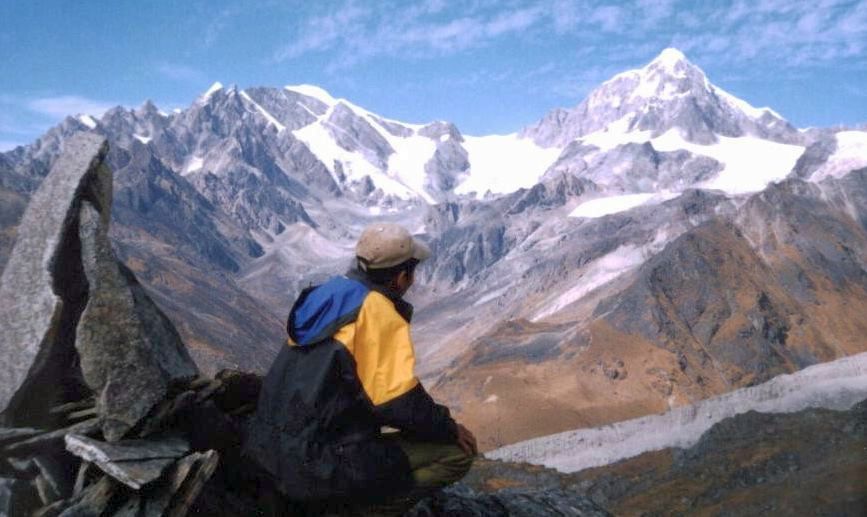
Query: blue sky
[{"x": 490, "y": 66}]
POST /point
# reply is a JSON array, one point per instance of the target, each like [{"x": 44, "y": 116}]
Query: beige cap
[{"x": 383, "y": 245}]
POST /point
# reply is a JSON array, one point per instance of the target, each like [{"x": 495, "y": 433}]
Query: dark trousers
[{"x": 434, "y": 466}]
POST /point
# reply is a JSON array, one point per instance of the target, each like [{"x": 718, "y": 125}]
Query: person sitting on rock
[{"x": 321, "y": 428}]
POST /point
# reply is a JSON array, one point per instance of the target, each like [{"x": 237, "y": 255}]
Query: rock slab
[
  {"x": 73, "y": 316},
  {"x": 134, "y": 463},
  {"x": 130, "y": 352},
  {"x": 40, "y": 286}
]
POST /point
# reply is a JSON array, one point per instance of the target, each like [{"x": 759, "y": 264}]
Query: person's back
[{"x": 347, "y": 371}]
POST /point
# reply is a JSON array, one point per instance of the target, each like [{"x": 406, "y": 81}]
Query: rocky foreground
[
  {"x": 103, "y": 412},
  {"x": 100, "y": 401}
]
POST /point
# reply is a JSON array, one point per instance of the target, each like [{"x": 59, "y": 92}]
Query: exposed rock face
[
  {"x": 702, "y": 295},
  {"x": 469, "y": 250},
  {"x": 635, "y": 167},
  {"x": 31, "y": 163},
  {"x": 150, "y": 196},
  {"x": 130, "y": 352},
  {"x": 555, "y": 191},
  {"x": 709, "y": 290},
  {"x": 292, "y": 109},
  {"x": 65, "y": 288},
  {"x": 141, "y": 124},
  {"x": 814, "y": 157},
  {"x": 447, "y": 167},
  {"x": 355, "y": 134},
  {"x": 42, "y": 301}
]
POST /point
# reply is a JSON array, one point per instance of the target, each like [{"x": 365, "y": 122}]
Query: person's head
[{"x": 387, "y": 255}]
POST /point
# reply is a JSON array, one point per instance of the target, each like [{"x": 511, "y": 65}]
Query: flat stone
[
  {"x": 15, "y": 434},
  {"x": 81, "y": 477},
  {"x": 70, "y": 407},
  {"x": 44, "y": 442},
  {"x": 130, "y": 352},
  {"x": 134, "y": 463},
  {"x": 98, "y": 451},
  {"x": 39, "y": 305}
]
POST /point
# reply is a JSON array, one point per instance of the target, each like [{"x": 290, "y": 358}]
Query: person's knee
[
  {"x": 459, "y": 463},
  {"x": 451, "y": 464}
]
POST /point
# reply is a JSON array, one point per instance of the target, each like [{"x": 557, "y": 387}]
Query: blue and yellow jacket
[{"x": 347, "y": 370}]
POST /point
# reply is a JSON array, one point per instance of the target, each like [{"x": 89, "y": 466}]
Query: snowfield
[
  {"x": 749, "y": 163},
  {"x": 501, "y": 164},
  {"x": 405, "y": 176},
  {"x": 615, "y": 204},
  {"x": 835, "y": 385}
]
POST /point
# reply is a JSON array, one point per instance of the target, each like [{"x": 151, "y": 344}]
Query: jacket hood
[{"x": 321, "y": 311}]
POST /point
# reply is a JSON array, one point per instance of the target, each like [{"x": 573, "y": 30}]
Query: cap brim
[{"x": 420, "y": 250}]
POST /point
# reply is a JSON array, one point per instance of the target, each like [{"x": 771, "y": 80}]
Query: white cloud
[
  {"x": 64, "y": 105},
  {"x": 609, "y": 17},
  {"x": 514, "y": 21},
  {"x": 781, "y": 32},
  {"x": 777, "y": 34},
  {"x": 179, "y": 72},
  {"x": 654, "y": 11},
  {"x": 323, "y": 32},
  {"x": 358, "y": 32}
]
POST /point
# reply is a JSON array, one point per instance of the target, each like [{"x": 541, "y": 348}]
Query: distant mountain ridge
[{"x": 662, "y": 240}]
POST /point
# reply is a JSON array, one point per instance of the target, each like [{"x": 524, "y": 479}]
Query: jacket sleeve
[{"x": 416, "y": 412}]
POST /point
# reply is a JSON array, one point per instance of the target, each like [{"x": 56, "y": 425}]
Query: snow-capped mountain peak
[
  {"x": 87, "y": 120},
  {"x": 670, "y": 58},
  {"x": 668, "y": 93},
  {"x": 217, "y": 86},
  {"x": 312, "y": 91}
]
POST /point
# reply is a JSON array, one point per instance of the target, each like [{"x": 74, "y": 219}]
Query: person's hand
[{"x": 466, "y": 441}]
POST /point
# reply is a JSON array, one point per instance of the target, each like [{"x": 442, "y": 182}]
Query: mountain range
[{"x": 660, "y": 243}]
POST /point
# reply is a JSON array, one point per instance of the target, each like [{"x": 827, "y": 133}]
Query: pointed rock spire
[{"x": 69, "y": 301}]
